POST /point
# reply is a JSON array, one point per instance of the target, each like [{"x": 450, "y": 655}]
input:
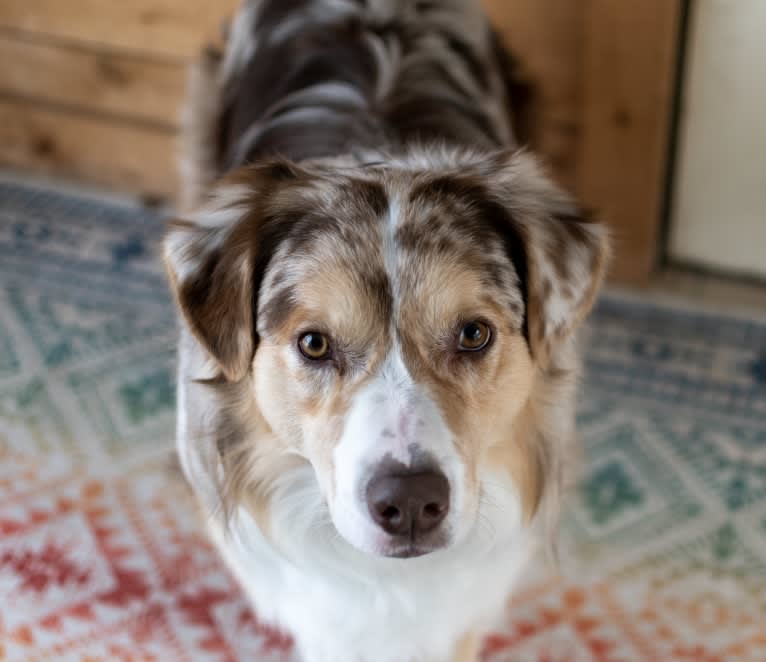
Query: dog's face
[{"x": 393, "y": 328}]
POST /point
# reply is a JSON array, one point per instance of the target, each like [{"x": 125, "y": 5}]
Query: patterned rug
[{"x": 663, "y": 546}]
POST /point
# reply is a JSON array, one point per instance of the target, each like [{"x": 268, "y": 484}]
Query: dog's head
[{"x": 397, "y": 335}]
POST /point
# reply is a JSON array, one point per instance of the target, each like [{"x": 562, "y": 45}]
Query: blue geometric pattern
[
  {"x": 131, "y": 401},
  {"x": 85, "y": 314},
  {"x": 9, "y": 361},
  {"x": 67, "y": 328},
  {"x": 703, "y": 362}
]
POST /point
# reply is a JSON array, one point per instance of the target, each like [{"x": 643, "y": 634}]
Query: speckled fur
[{"x": 351, "y": 168}]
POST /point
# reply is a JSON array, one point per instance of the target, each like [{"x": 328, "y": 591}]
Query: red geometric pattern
[
  {"x": 623, "y": 621},
  {"x": 94, "y": 569},
  {"x": 106, "y": 570}
]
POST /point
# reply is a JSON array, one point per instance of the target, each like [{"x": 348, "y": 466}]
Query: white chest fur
[
  {"x": 340, "y": 604},
  {"x": 392, "y": 611}
]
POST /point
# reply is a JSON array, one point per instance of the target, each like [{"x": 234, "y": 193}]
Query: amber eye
[
  {"x": 314, "y": 345},
  {"x": 474, "y": 336}
]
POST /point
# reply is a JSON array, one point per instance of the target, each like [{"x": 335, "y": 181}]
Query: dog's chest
[{"x": 337, "y": 612}]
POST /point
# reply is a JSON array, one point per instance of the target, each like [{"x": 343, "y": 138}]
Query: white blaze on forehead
[{"x": 390, "y": 253}]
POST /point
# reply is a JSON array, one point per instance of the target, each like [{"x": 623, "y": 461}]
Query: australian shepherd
[{"x": 379, "y": 294}]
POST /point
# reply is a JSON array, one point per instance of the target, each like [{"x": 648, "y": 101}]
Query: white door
[{"x": 718, "y": 216}]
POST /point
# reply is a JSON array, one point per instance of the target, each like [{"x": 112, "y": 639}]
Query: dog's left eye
[
  {"x": 314, "y": 346},
  {"x": 474, "y": 336}
]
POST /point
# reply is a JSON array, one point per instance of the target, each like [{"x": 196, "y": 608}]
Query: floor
[
  {"x": 712, "y": 292},
  {"x": 102, "y": 557}
]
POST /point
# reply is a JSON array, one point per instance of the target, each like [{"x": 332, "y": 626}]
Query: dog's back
[{"x": 316, "y": 78}]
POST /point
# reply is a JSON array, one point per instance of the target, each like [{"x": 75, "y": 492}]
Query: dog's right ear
[{"x": 213, "y": 258}]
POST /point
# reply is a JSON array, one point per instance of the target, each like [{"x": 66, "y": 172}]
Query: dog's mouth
[
  {"x": 410, "y": 552},
  {"x": 409, "y": 549}
]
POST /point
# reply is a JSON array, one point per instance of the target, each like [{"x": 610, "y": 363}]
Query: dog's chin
[{"x": 383, "y": 546}]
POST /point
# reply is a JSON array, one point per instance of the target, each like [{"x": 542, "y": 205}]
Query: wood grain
[
  {"x": 95, "y": 76},
  {"x": 171, "y": 28},
  {"x": 82, "y": 78},
  {"x": 629, "y": 77},
  {"x": 103, "y": 152},
  {"x": 546, "y": 35}
]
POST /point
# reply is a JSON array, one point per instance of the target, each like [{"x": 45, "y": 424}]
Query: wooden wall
[
  {"x": 89, "y": 90},
  {"x": 607, "y": 76}
]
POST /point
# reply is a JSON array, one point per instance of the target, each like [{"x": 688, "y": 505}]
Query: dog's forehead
[{"x": 382, "y": 242}]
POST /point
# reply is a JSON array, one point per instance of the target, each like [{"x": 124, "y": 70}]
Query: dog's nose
[{"x": 409, "y": 504}]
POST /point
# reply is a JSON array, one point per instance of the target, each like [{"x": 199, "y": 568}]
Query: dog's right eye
[{"x": 314, "y": 346}]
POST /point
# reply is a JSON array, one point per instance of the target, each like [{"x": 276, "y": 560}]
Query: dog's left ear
[{"x": 563, "y": 253}]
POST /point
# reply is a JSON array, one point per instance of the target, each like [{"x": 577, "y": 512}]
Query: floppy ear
[
  {"x": 565, "y": 253},
  {"x": 213, "y": 259}
]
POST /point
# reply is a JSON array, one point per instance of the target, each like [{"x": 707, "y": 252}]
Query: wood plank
[
  {"x": 629, "y": 78},
  {"x": 85, "y": 79},
  {"x": 546, "y": 36},
  {"x": 174, "y": 28},
  {"x": 115, "y": 155}
]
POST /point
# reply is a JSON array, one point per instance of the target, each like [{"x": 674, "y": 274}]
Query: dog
[{"x": 379, "y": 294}]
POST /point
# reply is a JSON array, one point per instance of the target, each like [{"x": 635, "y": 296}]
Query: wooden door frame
[{"x": 630, "y": 78}]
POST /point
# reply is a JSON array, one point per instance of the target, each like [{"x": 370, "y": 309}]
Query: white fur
[
  {"x": 340, "y": 603},
  {"x": 242, "y": 43},
  {"x": 390, "y": 252},
  {"x": 226, "y": 205},
  {"x": 310, "y": 114},
  {"x": 391, "y": 418}
]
